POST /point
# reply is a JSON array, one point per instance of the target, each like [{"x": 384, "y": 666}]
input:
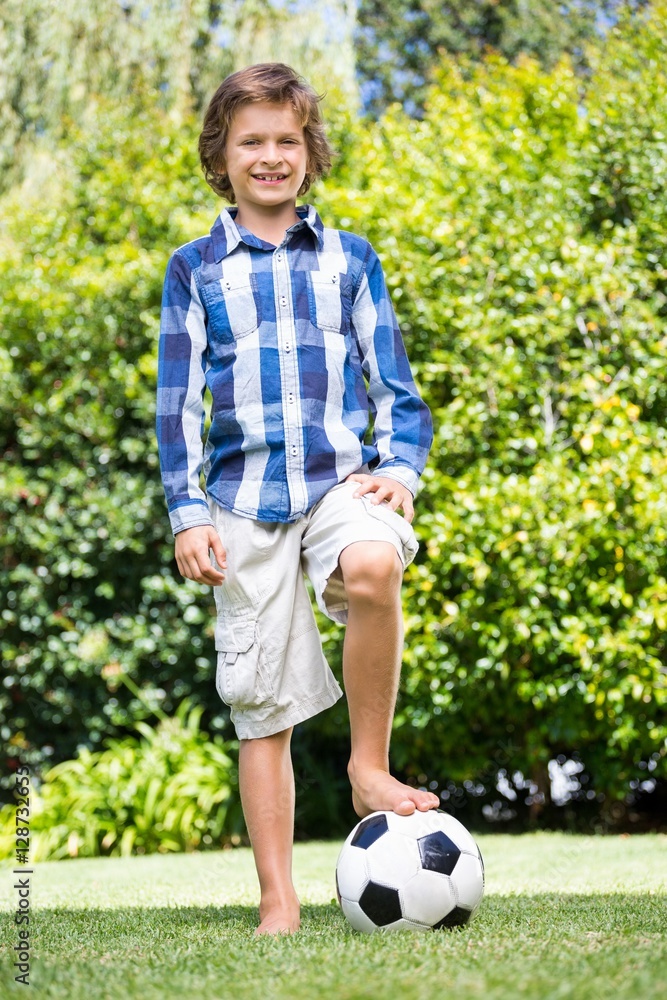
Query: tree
[
  {"x": 57, "y": 60},
  {"x": 398, "y": 41}
]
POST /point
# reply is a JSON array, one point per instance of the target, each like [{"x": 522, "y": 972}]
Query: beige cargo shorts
[{"x": 271, "y": 670}]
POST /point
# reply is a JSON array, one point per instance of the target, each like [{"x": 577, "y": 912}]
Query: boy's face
[{"x": 266, "y": 157}]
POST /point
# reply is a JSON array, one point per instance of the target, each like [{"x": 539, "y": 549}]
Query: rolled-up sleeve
[
  {"x": 182, "y": 356},
  {"x": 403, "y": 429}
]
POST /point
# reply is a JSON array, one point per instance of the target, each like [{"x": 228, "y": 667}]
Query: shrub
[{"x": 173, "y": 790}]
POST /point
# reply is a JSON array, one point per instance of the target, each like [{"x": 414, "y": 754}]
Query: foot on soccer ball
[
  {"x": 279, "y": 919},
  {"x": 374, "y": 790}
]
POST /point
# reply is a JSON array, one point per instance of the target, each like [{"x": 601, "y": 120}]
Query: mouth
[{"x": 270, "y": 178}]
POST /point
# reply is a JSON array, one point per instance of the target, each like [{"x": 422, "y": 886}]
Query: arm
[
  {"x": 180, "y": 423},
  {"x": 180, "y": 393},
  {"x": 403, "y": 429}
]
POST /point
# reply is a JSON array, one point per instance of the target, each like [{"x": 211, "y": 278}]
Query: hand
[
  {"x": 192, "y": 554},
  {"x": 384, "y": 490}
]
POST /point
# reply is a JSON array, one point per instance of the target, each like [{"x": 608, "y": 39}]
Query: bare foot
[
  {"x": 282, "y": 918},
  {"x": 376, "y": 789}
]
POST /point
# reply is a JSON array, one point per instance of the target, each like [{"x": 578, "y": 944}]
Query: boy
[{"x": 286, "y": 321}]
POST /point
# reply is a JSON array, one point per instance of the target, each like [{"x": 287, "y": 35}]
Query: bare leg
[
  {"x": 372, "y": 573},
  {"x": 266, "y": 781}
]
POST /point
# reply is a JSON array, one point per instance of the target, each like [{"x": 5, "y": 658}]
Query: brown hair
[{"x": 278, "y": 84}]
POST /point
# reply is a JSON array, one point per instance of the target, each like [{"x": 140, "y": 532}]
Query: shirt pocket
[
  {"x": 241, "y": 679},
  {"x": 329, "y": 300},
  {"x": 232, "y": 307}
]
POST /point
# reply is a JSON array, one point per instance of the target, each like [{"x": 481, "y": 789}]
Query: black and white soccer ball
[{"x": 417, "y": 872}]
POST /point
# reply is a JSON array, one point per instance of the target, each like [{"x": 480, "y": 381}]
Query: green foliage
[
  {"x": 173, "y": 790},
  {"x": 57, "y": 60},
  {"x": 536, "y": 610},
  {"x": 86, "y": 574},
  {"x": 522, "y": 230},
  {"x": 400, "y": 42}
]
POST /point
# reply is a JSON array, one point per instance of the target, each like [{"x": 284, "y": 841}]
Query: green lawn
[{"x": 563, "y": 917}]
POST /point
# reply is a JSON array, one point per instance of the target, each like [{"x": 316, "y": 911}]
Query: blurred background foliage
[{"x": 516, "y": 197}]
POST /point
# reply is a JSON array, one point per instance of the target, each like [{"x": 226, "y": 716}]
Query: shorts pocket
[{"x": 241, "y": 679}]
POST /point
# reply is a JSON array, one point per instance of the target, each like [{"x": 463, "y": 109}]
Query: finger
[
  {"x": 381, "y": 493},
  {"x": 212, "y": 577},
  {"x": 367, "y": 486},
  {"x": 188, "y": 568},
  {"x": 408, "y": 509},
  {"x": 218, "y": 550},
  {"x": 365, "y": 483},
  {"x": 357, "y": 477},
  {"x": 196, "y": 565},
  {"x": 206, "y": 573}
]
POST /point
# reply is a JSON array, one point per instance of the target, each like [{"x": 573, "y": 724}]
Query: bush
[
  {"x": 536, "y": 610},
  {"x": 173, "y": 790},
  {"x": 523, "y": 236},
  {"x": 87, "y": 576}
]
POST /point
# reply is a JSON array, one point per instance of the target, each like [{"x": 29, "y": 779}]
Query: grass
[{"x": 573, "y": 917}]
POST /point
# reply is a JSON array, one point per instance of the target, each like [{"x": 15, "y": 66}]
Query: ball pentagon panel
[
  {"x": 369, "y": 830},
  {"x": 438, "y": 852},
  {"x": 381, "y": 904}
]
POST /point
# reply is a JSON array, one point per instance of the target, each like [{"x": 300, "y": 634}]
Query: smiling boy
[{"x": 290, "y": 326}]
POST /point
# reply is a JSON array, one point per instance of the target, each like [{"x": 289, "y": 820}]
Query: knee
[{"x": 372, "y": 572}]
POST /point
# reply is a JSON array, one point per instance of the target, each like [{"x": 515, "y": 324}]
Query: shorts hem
[
  {"x": 338, "y": 612},
  {"x": 246, "y": 729}
]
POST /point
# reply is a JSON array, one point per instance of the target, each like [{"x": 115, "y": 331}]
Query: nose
[{"x": 272, "y": 154}]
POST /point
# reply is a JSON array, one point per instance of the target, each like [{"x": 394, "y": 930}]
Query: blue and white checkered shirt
[{"x": 300, "y": 349}]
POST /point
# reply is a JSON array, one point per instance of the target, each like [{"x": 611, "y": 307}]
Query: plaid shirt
[{"x": 299, "y": 347}]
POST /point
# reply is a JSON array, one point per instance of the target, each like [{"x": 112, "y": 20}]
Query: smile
[{"x": 270, "y": 178}]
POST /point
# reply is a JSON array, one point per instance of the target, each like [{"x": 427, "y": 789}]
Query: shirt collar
[{"x": 226, "y": 234}]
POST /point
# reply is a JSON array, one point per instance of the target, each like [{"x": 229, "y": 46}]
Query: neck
[{"x": 271, "y": 224}]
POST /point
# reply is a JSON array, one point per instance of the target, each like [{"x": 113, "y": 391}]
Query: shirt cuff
[
  {"x": 403, "y": 474},
  {"x": 190, "y": 515}
]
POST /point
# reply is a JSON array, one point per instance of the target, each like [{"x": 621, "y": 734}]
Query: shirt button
[
  {"x": 295, "y": 450},
  {"x": 280, "y": 256},
  {"x": 287, "y": 347},
  {"x": 290, "y": 397}
]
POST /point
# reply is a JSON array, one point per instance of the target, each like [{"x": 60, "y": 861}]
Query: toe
[{"x": 405, "y": 808}]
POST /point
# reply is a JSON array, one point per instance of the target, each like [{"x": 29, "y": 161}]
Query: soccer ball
[{"x": 412, "y": 872}]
